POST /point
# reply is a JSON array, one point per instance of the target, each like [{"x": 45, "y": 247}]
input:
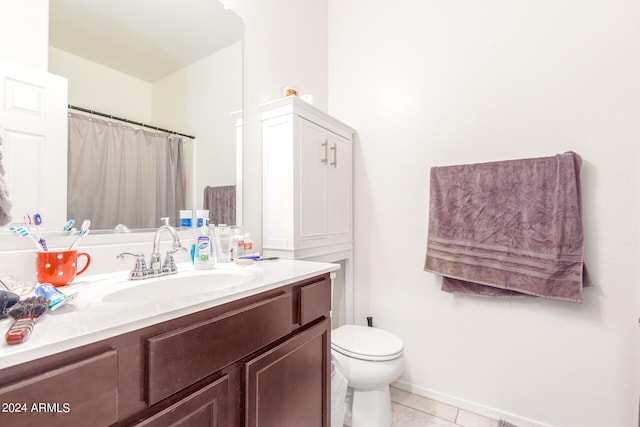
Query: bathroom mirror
[{"x": 174, "y": 65}]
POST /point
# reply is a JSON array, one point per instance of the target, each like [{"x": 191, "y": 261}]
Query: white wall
[
  {"x": 436, "y": 83},
  {"x": 100, "y": 88},
  {"x": 24, "y": 32},
  {"x": 199, "y": 100},
  {"x": 285, "y": 44}
]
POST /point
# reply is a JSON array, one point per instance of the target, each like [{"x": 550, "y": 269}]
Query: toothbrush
[
  {"x": 84, "y": 229},
  {"x": 27, "y": 222},
  {"x": 37, "y": 219},
  {"x": 25, "y": 233},
  {"x": 68, "y": 225},
  {"x": 251, "y": 256}
]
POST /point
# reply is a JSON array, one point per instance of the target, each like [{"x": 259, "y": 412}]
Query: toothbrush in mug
[
  {"x": 28, "y": 222},
  {"x": 37, "y": 219},
  {"x": 68, "y": 225},
  {"x": 27, "y": 226},
  {"x": 25, "y": 233},
  {"x": 84, "y": 229}
]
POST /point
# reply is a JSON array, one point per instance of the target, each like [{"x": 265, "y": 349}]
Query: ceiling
[{"x": 148, "y": 39}]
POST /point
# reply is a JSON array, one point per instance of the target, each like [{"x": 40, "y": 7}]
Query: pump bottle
[{"x": 204, "y": 256}]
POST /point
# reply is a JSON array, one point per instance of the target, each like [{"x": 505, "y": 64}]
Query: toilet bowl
[{"x": 370, "y": 359}]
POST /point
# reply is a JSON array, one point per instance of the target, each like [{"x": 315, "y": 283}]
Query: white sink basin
[{"x": 186, "y": 284}]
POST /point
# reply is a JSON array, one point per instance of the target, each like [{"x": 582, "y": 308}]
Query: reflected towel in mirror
[{"x": 221, "y": 203}]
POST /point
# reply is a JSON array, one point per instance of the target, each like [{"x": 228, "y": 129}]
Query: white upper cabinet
[{"x": 307, "y": 180}]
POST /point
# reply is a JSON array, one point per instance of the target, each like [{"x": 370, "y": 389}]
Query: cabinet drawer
[
  {"x": 315, "y": 301},
  {"x": 81, "y": 393},
  {"x": 182, "y": 357}
]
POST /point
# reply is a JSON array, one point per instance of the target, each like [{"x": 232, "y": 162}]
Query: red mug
[{"x": 59, "y": 267}]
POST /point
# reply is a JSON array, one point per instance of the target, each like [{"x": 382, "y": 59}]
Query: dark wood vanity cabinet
[
  {"x": 288, "y": 386},
  {"x": 263, "y": 360},
  {"x": 205, "y": 407}
]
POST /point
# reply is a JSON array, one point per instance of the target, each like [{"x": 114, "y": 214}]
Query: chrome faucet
[
  {"x": 169, "y": 265},
  {"x": 156, "y": 267}
]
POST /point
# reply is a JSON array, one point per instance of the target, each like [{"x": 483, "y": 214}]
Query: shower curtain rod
[{"x": 86, "y": 110}]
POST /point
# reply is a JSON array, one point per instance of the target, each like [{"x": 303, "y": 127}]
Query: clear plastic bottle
[
  {"x": 205, "y": 255},
  {"x": 248, "y": 244},
  {"x": 234, "y": 242},
  {"x": 240, "y": 243},
  {"x": 222, "y": 236}
]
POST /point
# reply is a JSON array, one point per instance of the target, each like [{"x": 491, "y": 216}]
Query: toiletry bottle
[
  {"x": 204, "y": 256},
  {"x": 248, "y": 244},
  {"x": 240, "y": 244},
  {"x": 202, "y": 217},
  {"x": 221, "y": 240},
  {"x": 233, "y": 244},
  {"x": 213, "y": 242},
  {"x": 186, "y": 218}
]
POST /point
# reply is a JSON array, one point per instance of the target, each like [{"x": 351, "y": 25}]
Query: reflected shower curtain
[{"x": 121, "y": 175}]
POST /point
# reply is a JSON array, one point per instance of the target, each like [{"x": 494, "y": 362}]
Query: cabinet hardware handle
[
  {"x": 334, "y": 148},
  {"x": 326, "y": 154}
]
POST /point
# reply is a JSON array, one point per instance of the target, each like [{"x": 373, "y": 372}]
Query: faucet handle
[
  {"x": 169, "y": 265},
  {"x": 154, "y": 263},
  {"x": 165, "y": 220},
  {"x": 140, "y": 269},
  {"x": 121, "y": 256}
]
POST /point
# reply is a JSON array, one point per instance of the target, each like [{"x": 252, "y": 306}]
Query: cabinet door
[
  {"x": 289, "y": 385},
  {"x": 340, "y": 179},
  {"x": 206, "y": 407},
  {"x": 314, "y": 157},
  {"x": 81, "y": 393}
]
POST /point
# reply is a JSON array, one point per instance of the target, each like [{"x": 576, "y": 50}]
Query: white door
[
  {"x": 33, "y": 125},
  {"x": 314, "y": 154},
  {"x": 340, "y": 187}
]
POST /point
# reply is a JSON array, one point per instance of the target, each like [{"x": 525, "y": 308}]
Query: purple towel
[
  {"x": 508, "y": 228},
  {"x": 221, "y": 203}
]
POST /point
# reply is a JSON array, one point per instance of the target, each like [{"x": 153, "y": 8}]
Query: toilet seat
[{"x": 366, "y": 343}]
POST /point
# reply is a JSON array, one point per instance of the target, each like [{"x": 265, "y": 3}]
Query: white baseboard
[{"x": 467, "y": 405}]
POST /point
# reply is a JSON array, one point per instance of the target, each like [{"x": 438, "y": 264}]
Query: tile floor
[{"x": 410, "y": 410}]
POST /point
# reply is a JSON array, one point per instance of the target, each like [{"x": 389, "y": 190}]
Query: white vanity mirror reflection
[{"x": 178, "y": 68}]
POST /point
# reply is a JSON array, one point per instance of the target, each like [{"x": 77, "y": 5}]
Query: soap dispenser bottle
[{"x": 204, "y": 258}]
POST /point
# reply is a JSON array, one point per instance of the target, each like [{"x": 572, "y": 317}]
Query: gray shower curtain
[{"x": 121, "y": 175}]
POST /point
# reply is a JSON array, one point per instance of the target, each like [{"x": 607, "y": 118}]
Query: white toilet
[{"x": 370, "y": 359}]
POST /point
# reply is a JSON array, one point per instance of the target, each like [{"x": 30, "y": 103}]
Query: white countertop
[{"x": 89, "y": 318}]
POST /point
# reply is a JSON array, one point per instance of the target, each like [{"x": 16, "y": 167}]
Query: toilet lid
[{"x": 362, "y": 342}]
